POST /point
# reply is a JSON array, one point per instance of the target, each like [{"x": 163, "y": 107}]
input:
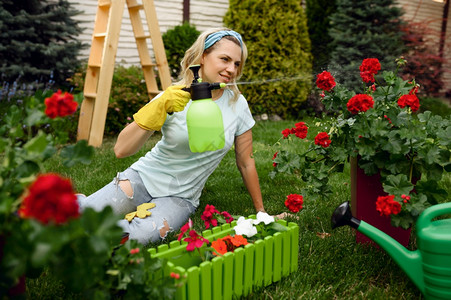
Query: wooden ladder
[{"x": 99, "y": 74}]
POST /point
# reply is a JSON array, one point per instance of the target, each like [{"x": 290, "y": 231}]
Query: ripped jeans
[{"x": 170, "y": 212}]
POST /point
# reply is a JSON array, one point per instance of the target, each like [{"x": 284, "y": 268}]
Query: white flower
[
  {"x": 245, "y": 227},
  {"x": 263, "y": 217}
]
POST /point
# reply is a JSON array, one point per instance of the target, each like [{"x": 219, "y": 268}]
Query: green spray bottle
[{"x": 204, "y": 118}]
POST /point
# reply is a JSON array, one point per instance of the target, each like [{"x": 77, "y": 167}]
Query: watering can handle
[{"x": 432, "y": 212}]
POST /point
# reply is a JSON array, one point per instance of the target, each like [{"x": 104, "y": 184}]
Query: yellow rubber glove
[{"x": 153, "y": 114}]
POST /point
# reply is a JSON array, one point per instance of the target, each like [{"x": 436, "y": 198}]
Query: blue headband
[{"x": 215, "y": 37}]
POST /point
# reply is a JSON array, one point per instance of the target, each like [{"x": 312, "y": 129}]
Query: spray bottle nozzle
[
  {"x": 199, "y": 89},
  {"x": 195, "y": 69}
]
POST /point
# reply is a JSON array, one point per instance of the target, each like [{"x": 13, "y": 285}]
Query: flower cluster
[
  {"x": 60, "y": 105},
  {"x": 228, "y": 244},
  {"x": 380, "y": 128},
  {"x": 386, "y": 205},
  {"x": 294, "y": 202},
  {"x": 211, "y": 216},
  {"x": 369, "y": 68},
  {"x": 50, "y": 199},
  {"x": 300, "y": 130}
]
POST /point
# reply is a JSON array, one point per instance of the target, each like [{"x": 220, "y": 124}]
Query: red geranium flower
[
  {"x": 294, "y": 202},
  {"x": 410, "y": 100},
  {"x": 360, "y": 103},
  {"x": 274, "y": 157},
  {"x": 286, "y": 132},
  {"x": 325, "y": 81},
  {"x": 195, "y": 241},
  {"x": 368, "y": 68},
  {"x": 322, "y": 139},
  {"x": 60, "y": 105},
  {"x": 386, "y": 205},
  {"x": 50, "y": 198},
  {"x": 300, "y": 130}
]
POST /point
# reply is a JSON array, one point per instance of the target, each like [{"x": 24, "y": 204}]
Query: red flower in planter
[
  {"x": 386, "y": 205},
  {"x": 325, "y": 81},
  {"x": 208, "y": 214},
  {"x": 369, "y": 68},
  {"x": 322, "y": 139},
  {"x": 228, "y": 243},
  {"x": 60, "y": 105},
  {"x": 50, "y": 198},
  {"x": 410, "y": 100},
  {"x": 195, "y": 241},
  {"x": 294, "y": 202},
  {"x": 360, "y": 103},
  {"x": 185, "y": 228},
  {"x": 220, "y": 246}
]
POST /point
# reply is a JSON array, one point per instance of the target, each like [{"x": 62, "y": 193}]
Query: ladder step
[
  {"x": 100, "y": 35},
  {"x": 90, "y": 95},
  {"x": 141, "y": 37},
  {"x": 135, "y": 6},
  {"x": 148, "y": 65},
  {"x": 104, "y": 3}
]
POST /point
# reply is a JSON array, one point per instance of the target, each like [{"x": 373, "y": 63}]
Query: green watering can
[{"x": 429, "y": 267}]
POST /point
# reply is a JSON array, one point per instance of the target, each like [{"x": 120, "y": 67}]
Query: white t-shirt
[{"x": 171, "y": 169}]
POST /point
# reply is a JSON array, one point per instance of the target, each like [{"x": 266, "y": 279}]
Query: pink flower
[
  {"x": 208, "y": 216},
  {"x": 185, "y": 228},
  {"x": 195, "y": 241}
]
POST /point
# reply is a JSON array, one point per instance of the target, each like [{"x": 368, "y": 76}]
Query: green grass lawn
[{"x": 331, "y": 264}]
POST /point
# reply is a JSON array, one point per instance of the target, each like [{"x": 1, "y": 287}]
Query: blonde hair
[{"x": 194, "y": 54}]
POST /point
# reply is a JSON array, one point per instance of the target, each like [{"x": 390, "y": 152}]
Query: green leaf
[
  {"x": 37, "y": 145},
  {"x": 78, "y": 153},
  {"x": 432, "y": 190},
  {"x": 397, "y": 185}
]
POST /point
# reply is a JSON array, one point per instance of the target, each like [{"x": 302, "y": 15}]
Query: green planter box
[{"x": 234, "y": 274}]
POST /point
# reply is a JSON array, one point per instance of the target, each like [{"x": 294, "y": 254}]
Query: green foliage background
[
  {"x": 364, "y": 29},
  {"x": 276, "y": 35},
  {"x": 176, "y": 41},
  {"x": 38, "y": 39}
]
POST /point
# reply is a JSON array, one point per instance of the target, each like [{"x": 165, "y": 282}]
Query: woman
[{"x": 170, "y": 175}]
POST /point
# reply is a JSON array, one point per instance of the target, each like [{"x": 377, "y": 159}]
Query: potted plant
[{"x": 381, "y": 132}]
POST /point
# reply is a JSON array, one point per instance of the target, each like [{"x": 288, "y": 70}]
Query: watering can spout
[{"x": 409, "y": 261}]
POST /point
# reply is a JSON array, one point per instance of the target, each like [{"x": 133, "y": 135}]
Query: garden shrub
[
  {"x": 318, "y": 20},
  {"x": 128, "y": 94},
  {"x": 176, "y": 41},
  {"x": 276, "y": 35},
  {"x": 423, "y": 63},
  {"x": 38, "y": 40},
  {"x": 436, "y": 105},
  {"x": 364, "y": 29}
]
